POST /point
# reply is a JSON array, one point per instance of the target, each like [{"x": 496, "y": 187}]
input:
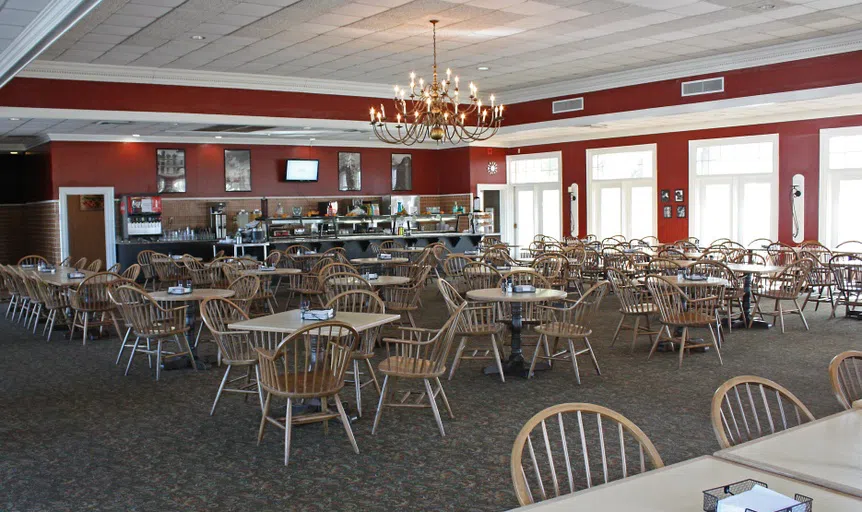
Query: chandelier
[{"x": 434, "y": 110}]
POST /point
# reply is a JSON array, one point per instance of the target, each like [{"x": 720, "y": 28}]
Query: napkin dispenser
[
  {"x": 370, "y": 277},
  {"x": 317, "y": 314},
  {"x": 524, "y": 288},
  {"x": 471, "y": 253},
  {"x": 76, "y": 275},
  {"x": 267, "y": 269},
  {"x": 751, "y": 495},
  {"x": 503, "y": 267},
  {"x": 310, "y": 252},
  {"x": 695, "y": 277},
  {"x": 48, "y": 270},
  {"x": 384, "y": 256},
  {"x": 28, "y": 265},
  {"x": 179, "y": 290}
]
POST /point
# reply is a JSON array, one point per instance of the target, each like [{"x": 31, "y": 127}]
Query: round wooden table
[
  {"x": 280, "y": 271},
  {"x": 515, "y": 364},
  {"x": 378, "y": 261}
]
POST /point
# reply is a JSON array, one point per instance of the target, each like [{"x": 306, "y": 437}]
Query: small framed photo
[
  {"x": 680, "y": 212},
  {"x": 171, "y": 171},
  {"x": 679, "y": 195},
  {"x": 665, "y": 195},
  {"x": 237, "y": 170},
  {"x": 668, "y": 212},
  {"x": 349, "y": 171}
]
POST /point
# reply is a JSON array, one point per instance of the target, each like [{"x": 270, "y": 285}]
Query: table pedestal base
[{"x": 516, "y": 365}]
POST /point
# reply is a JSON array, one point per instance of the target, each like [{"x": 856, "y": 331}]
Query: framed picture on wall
[
  {"x": 237, "y": 170},
  {"x": 92, "y": 203},
  {"x": 668, "y": 212},
  {"x": 680, "y": 212},
  {"x": 665, "y": 195},
  {"x": 679, "y": 195},
  {"x": 402, "y": 171},
  {"x": 171, "y": 171},
  {"x": 349, "y": 171}
]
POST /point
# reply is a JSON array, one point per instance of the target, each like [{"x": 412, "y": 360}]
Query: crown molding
[
  {"x": 195, "y": 78},
  {"x": 51, "y": 22},
  {"x": 786, "y": 52},
  {"x": 776, "y": 54}
]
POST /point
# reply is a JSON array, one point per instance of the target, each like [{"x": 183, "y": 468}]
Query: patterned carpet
[{"x": 77, "y": 435}]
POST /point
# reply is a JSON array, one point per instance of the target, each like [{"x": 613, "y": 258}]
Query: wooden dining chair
[
  {"x": 733, "y": 292},
  {"x": 168, "y": 272},
  {"x": 10, "y": 283},
  {"x": 749, "y": 407},
  {"x": 144, "y": 259},
  {"x": 404, "y": 300},
  {"x": 418, "y": 354},
  {"x": 557, "y": 451},
  {"x": 553, "y": 266},
  {"x": 635, "y": 303},
  {"x": 663, "y": 267},
  {"x": 453, "y": 269},
  {"x": 478, "y": 320},
  {"x": 786, "y": 286},
  {"x": 572, "y": 322},
  {"x": 337, "y": 283},
  {"x": 132, "y": 272},
  {"x": 55, "y": 300},
  {"x": 33, "y": 260},
  {"x": 152, "y": 323},
  {"x": 95, "y": 266},
  {"x": 361, "y": 301},
  {"x": 234, "y": 346},
  {"x": 36, "y": 301},
  {"x": 307, "y": 284},
  {"x": 337, "y": 266},
  {"x": 680, "y": 310},
  {"x": 92, "y": 305},
  {"x": 245, "y": 289},
  {"x": 308, "y": 364},
  {"x": 65, "y": 262},
  {"x": 845, "y": 372},
  {"x": 480, "y": 275},
  {"x": 847, "y": 272}
]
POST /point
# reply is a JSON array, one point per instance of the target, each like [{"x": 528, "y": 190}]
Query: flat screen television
[{"x": 301, "y": 170}]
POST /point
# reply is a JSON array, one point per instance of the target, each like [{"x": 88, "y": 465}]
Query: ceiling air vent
[
  {"x": 708, "y": 86},
  {"x": 569, "y": 105}
]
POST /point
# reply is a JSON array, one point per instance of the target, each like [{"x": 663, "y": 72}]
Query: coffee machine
[{"x": 218, "y": 220}]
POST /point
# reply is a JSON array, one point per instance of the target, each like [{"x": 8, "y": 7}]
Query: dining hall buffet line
[{"x": 327, "y": 333}]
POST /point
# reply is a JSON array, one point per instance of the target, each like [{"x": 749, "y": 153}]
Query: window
[
  {"x": 622, "y": 187},
  {"x": 537, "y": 195},
  {"x": 840, "y": 185},
  {"x": 733, "y": 188}
]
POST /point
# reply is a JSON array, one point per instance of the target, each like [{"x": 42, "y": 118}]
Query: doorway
[
  {"x": 87, "y": 227},
  {"x": 535, "y": 181}
]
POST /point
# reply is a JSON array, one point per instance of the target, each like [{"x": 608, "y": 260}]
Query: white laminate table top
[
  {"x": 61, "y": 276},
  {"x": 825, "y": 452},
  {"x": 380, "y": 281},
  {"x": 279, "y": 271},
  {"x": 679, "y": 488},
  {"x": 375, "y": 261},
  {"x": 197, "y": 294},
  {"x": 749, "y": 268},
  {"x": 290, "y": 321},
  {"x": 688, "y": 283},
  {"x": 497, "y": 295}
]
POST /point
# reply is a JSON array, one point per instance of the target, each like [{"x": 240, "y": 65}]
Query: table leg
[
  {"x": 515, "y": 364},
  {"x": 746, "y": 307}
]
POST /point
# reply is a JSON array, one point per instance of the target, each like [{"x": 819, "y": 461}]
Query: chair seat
[
  {"x": 307, "y": 384},
  {"x": 693, "y": 319},
  {"x": 640, "y": 309},
  {"x": 391, "y": 306},
  {"x": 563, "y": 330},
  {"x": 777, "y": 294},
  {"x": 408, "y": 366}
]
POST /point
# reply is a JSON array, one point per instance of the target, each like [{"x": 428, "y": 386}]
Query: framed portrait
[
  {"x": 679, "y": 195},
  {"x": 680, "y": 212},
  {"x": 402, "y": 171},
  {"x": 668, "y": 212},
  {"x": 171, "y": 171},
  {"x": 665, "y": 195},
  {"x": 349, "y": 171},
  {"x": 237, "y": 170}
]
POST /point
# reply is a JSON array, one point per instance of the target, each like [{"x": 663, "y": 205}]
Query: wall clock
[{"x": 492, "y": 167}]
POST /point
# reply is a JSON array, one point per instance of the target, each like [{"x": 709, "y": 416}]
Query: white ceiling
[
  {"x": 524, "y": 42},
  {"x": 15, "y": 15}
]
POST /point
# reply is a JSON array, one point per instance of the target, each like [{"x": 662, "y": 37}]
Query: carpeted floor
[{"x": 77, "y": 435}]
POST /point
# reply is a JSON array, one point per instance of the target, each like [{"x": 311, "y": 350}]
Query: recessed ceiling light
[
  {"x": 14, "y": 118},
  {"x": 483, "y": 68},
  {"x": 13, "y": 152},
  {"x": 135, "y": 135},
  {"x": 312, "y": 139},
  {"x": 218, "y": 136},
  {"x": 197, "y": 37}
]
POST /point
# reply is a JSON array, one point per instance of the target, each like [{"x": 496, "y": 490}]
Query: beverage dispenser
[{"x": 218, "y": 220}]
